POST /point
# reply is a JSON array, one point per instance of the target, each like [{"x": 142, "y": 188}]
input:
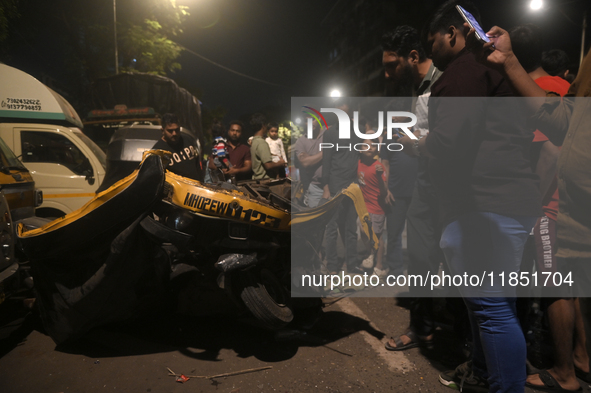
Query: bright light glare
[
  {"x": 335, "y": 93},
  {"x": 536, "y": 4},
  {"x": 298, "y": 120}
]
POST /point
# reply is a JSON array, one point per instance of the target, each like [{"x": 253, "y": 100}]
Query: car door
[{"x": 58, "y": 166}]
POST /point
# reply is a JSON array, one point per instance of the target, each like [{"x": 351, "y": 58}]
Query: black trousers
[{"x": 424, "y": 255}]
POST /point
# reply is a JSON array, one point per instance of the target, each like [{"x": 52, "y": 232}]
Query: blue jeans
[{"x": 482, "y": 242}]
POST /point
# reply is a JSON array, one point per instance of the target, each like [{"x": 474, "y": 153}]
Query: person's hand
[
  {"x": 379, "y": 168},
  {"x": 495, "y": 53},
  {"x": 390, "y": 198},
  {"x": 281, "y": 162},
  {"x": 407, "y": 145},
  {"x": 326, "y": 194},
  {"x": 401, "y": 120},
  {"x": 231, "y": 171}
]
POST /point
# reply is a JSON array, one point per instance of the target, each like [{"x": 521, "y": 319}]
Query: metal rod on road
[{"x": 250, "y": 370}]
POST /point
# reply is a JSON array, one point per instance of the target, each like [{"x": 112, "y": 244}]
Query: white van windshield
[{"x": 102, "y": 157}]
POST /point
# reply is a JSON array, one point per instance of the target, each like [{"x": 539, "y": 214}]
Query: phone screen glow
[{"x": 472, "y": 21}]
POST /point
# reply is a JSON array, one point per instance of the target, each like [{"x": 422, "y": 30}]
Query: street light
[
  {"x": 536, "y": 5},
  {"x": 335, "y": 93},
  {"x": 115, "y": 36}
]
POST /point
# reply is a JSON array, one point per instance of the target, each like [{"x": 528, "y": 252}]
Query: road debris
[
  {"x": 182, "y": 379},
  {"x": 187, "y": 377}
]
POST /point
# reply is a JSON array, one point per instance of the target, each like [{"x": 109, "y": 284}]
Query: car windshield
[
  {"x": 102, "y": 157},
  {"x": 9, "y": 159}
]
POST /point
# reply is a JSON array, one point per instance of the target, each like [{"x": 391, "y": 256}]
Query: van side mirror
[
  {"x": 87, "y": 171},
  {"x": 90, "y": 179},
  {"x": 89, "y": 176}
]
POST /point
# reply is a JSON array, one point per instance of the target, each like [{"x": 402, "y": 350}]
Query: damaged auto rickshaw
[{"x": 154, "y": 232}]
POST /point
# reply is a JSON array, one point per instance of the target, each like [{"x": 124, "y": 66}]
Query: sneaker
[
  {"x": 367, "y": 262},
  {"x": 381, "y": 273},
  {"x": 464, "y": 380}
]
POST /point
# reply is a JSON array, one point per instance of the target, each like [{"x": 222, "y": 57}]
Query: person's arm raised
[
  {"x": 498, "y": 54},
  {"x": 554, "y": 119}
]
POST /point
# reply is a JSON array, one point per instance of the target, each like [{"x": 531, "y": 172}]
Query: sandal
[
  {"x": 414, "y": 342},
  {"x": 586, "y": 377},
  {"x": 550, "y": 384}
]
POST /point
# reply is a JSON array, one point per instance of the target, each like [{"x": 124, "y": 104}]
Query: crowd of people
[
  {"x": 230, "y": 160},
  {"x": 490, "y": 182},
  {"x": 496, "y": 179}
]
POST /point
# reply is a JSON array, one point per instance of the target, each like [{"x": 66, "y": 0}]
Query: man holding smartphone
[{"x": 488, "y": 196}]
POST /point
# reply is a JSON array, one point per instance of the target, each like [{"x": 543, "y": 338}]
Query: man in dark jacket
[{"x": 185, "y": 155}]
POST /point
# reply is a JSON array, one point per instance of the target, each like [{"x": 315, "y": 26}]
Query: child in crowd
[
  {"x": 371, "y": 177},
  {"x": 276, "y": 146},
  {"x": 220, "y": 153},
  {"x": 275, "y": 143}
]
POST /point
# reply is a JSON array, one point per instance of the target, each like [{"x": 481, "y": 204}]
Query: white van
[{"x": 43, "y": 129}]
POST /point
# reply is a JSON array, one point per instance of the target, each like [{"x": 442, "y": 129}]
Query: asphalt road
[{"x": 343, "y": 352}]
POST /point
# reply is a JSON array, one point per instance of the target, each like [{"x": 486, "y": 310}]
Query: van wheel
[
  {"x": 48, "y": 212},
  {"x": 265, "y": 298}
]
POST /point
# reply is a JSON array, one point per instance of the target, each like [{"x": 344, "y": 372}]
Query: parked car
[{"x": 18, "y": 199}]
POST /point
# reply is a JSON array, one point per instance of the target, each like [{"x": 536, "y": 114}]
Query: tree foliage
[
  {"x": 78, "y": 36},
  {"x": 145, "y": 44},
  {"x": 145, "y": 49}
]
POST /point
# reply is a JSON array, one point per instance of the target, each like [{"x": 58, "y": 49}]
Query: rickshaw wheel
[{"x": 266, "y": 299}]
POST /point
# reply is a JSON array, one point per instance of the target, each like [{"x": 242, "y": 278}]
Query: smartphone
[
  {"x": 398, "y": 131},
  {"x": 469, "y": 18}
]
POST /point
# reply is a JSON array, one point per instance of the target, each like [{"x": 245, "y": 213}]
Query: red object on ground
[{"x": 182, "y": 379}]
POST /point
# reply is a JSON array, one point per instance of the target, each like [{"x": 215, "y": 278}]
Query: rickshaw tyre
[{"x": 273, "y": 312}]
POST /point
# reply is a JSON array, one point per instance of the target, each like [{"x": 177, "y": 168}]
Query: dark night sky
[
  {"x": 284, "y": 42},
  {"x": 277, "y": 41}
]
